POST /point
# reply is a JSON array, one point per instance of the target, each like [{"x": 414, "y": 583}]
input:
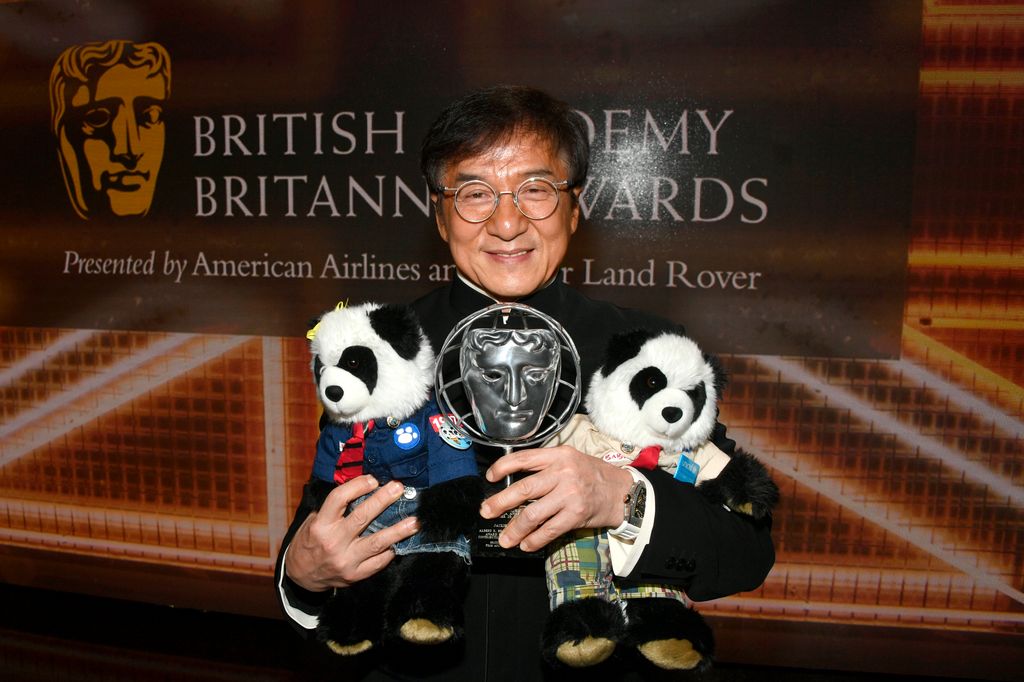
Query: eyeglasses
[{"x": 536, "y": 198}]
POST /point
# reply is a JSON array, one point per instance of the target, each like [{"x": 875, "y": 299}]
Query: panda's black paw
[
  {"x": 744, "y": 486},
  {"x": 450, "y": 509},
  {"x": 582, "y": 633},
  {"x": 425, "y": 604},
  {"x": 351, "y": 621},
  {"x": 669, "y": 634}
]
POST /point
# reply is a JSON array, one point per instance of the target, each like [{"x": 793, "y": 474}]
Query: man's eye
[
  {"x": 535, "y": 193},
  {"x": 477, "y": 197}
]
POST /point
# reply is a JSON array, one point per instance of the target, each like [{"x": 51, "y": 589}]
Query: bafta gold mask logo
[{"x": 107, "y": 110}]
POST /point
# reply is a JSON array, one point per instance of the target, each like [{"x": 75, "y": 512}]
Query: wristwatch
[{"x": 633, "y": 505}]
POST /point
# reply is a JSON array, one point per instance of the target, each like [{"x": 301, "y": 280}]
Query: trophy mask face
[{"x": 510, "y": 376}]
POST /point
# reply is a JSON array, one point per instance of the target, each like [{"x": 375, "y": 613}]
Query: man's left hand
[{"x": 567, "y": 490}]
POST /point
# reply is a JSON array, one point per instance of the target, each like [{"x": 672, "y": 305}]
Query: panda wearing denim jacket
[{"x": 374, "y": 368}]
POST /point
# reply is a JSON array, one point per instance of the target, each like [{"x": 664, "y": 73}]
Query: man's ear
[
  {"x": 442, "y": 229},
  {"x": 574, "y": 218}
]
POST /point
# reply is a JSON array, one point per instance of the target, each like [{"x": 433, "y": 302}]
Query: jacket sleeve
[
  {"x": 301, "y": 607},
  {"x": 704, "y": 548}
]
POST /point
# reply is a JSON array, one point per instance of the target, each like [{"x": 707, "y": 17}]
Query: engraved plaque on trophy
[{"x": 507, "y": 377}]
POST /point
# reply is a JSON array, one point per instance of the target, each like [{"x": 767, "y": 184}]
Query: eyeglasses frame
[{"x": 560, "y": 186}]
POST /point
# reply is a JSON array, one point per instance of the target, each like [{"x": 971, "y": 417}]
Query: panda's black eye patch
[
  {"x": 360, "y": 362},
  {"x": 646, "y": 383},
  {"x": 318, "y": 368},
  {"x": 698, "y": 396}
]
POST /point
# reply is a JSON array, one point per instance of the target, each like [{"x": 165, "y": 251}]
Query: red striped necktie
[{"x": 350, "y": 461}]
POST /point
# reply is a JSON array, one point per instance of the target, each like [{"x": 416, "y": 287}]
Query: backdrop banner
[{"x": 194, "y": 168}]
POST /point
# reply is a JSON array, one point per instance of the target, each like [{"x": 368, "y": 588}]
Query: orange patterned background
[{"x": 165, "y": 466}]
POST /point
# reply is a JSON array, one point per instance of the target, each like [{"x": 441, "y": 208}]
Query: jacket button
[{"x": 689, "y": 565}]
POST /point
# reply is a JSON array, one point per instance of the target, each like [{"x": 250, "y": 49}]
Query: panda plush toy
[
  {"x": 374, "y": 370},
  {"x": 652, "y": 404}
]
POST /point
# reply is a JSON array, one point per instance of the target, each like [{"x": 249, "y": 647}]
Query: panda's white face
[
  {"x": 360, "y": 375},
  {"x": 667, "y": 411},
  {"x": 344, "y": 386},
  {"x": 664, "y": 395}
]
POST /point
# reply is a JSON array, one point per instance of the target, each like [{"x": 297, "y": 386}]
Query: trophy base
[{"x": 485, "y": 544}]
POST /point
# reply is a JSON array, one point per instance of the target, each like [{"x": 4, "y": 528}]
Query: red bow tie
[{"x": 648, "y": 457}]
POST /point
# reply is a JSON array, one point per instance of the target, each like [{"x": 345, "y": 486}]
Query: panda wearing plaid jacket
[{"x": 653, "y": 403}]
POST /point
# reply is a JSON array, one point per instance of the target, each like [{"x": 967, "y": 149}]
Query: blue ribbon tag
[{"x": 687, "y": 470}]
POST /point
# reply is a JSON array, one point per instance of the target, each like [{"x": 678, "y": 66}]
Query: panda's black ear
[
  {"x": 721, "y": 378},
  {"x": 623, "y": 347},
  {"x": 397, "y": 325}
]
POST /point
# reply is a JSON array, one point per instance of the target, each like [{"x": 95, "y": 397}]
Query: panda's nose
[
  {"x": 671, "y": 414},
  {"x": 334, "y": 393}
]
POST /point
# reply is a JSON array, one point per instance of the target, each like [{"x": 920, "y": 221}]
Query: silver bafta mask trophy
[{"x": 507, "y": 376}]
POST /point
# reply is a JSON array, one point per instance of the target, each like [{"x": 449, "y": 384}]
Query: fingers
[
  {"x": 512, "y": 497},
  {"x": 377, "y": 548},
  {"x": 524, "y": 460},
  {"x": 542, "y": 520},
  {"x": 366, "y": 555},
  {"x": 371, "y": 507},
  {"x": 338, "y": 500},
  {"x": 525, "y": 489},
  {"x": 569, "y": 490},
  {"x": 384, "y": 539},
  {"x": 555, "y": 527},
  {"x": 329, "y": 549}
]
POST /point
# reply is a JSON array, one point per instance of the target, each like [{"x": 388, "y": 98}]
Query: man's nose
[
  {"x": 127, "y": 145},
  {"x": 507, "y": 222}
]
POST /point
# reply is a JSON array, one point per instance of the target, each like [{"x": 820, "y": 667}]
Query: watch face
[{"x": 641, "y": 502}]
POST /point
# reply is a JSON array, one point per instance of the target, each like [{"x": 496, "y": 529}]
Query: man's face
[
  {"x": 508, "y": 255},
  {"x": 117, "y": 139},
  {"x": 510, "y": 384}
]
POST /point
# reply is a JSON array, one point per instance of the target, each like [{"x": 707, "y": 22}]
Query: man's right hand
[{"x": 328, "y": 551}]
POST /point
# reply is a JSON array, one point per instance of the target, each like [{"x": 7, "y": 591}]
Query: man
[
  {"x": 485, "y": 159},
  {"x": 107, "y": 103}
]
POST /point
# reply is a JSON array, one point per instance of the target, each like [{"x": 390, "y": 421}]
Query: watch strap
[{"x": 632, "y": 517}]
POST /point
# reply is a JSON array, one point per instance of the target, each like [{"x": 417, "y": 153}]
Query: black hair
[{"x": 484, "y": 118}]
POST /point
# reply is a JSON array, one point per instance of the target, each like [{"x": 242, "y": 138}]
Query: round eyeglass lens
[
  {"x": 475, "y": 201},
  {"x": 537, "y": 198}
]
